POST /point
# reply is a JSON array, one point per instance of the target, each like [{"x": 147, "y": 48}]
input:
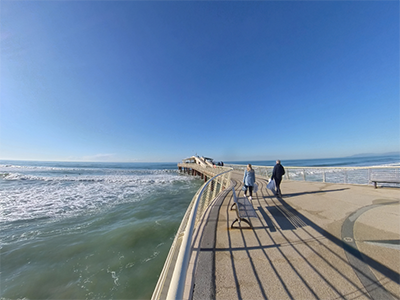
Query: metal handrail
[
  {"x": 184, "y": 236},
  {"x": 347, "y": 175}
]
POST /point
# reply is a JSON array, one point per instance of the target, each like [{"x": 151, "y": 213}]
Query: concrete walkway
[{"x": 318, "y": 241}]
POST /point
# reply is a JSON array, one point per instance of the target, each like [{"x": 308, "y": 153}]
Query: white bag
[
  {"x": 271, "y": 185},
  {"x": 255, "y": 188}
]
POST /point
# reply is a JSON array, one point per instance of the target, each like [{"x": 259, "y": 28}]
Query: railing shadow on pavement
[
  {"x": 305, "y": 223},
  {"x": 313, "y": 192}
]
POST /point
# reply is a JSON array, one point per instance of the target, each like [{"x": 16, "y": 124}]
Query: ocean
[
  {"x": 351, "y": 161},
  {"x": 88, "y": 230},
  {"x": 73, "y": 230}
]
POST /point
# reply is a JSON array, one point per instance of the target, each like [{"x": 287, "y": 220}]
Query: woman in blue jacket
[{"x": 248, "y": 180}]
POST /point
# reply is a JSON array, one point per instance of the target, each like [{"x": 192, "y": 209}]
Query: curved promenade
[{"x": 318, "y": 241}]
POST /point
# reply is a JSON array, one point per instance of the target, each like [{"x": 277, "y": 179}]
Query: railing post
[
  {"x": 323, "y": 176},
  {"x": 208, "y": 194},
  {"x": 221, "y": 181},
  {"x": 215, "y": 188},
  {"x": 304, "y": 174}
]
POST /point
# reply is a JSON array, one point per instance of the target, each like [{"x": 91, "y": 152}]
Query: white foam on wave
[
  {"x": 11, "y": 168},
  {"x": 28, "y": 197},
  {"x": 390, "y": 165},
  {"x": 153, "y": 179},
  {"x": 7, "y": 168}
]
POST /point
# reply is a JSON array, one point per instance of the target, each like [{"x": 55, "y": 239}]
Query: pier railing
[
  {"x": 346, "y": 175},
  {"x": 172, "y": 282}
]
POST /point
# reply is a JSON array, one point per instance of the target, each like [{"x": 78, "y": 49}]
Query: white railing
[
  {"x": 347, "y": 175},
  {"x": 171, "y": 284}
]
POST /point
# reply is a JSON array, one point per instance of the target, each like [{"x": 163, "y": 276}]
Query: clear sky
[{"x": 164, "y": 80}]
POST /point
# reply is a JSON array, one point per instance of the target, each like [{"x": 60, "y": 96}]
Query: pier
[{"x": 320, "y": 240}]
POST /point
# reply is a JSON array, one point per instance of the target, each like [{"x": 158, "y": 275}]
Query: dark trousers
[
  {"x": 250, "y": 190},
  {"x": 278, "y": 186}
]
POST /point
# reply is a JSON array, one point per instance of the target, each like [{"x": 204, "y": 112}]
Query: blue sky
[{"x": 164, "y": 80}]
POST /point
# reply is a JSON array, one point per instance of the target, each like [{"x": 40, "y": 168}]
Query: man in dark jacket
[{"x": 277, "y": 174}]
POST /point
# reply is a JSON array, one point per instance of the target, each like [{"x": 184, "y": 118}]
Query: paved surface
[{"x": 318, "y": 241}]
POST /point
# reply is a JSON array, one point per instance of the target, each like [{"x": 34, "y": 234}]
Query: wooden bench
[
  {"x": 384, "y": 181},
  {"x": 244, "y": 210}
]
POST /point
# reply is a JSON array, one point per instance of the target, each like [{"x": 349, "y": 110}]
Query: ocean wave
[
  {"x": 8, "y": 168},
  {"x": 390, "y": 165},
  {"x": 18, "y": 167},
  {"x": 33, "y": 197},
  {"x": 154, "y": 178}
]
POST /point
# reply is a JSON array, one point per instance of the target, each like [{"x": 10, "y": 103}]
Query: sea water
[
  {"x": 98, "y": 230},
  {"x": 351, "y": 161},
  {"x": 88, "y": 230}
]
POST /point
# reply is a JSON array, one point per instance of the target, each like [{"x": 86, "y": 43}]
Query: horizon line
[{"x": 236, "y": 160}]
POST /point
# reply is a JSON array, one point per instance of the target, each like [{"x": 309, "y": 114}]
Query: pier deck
[{"x": 318, "y": 241}]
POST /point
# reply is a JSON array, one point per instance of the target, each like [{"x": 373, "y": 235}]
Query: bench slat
[
  {"x": 384, "y": 181},
  {"x": 244, "y": 209}
]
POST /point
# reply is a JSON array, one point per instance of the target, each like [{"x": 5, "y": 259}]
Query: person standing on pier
[
  {"x": 248, "y": 180},
  {"x": 277, "y": 174}
]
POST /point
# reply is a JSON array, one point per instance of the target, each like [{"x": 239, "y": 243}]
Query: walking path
[{"x": 318, "y": 241}]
